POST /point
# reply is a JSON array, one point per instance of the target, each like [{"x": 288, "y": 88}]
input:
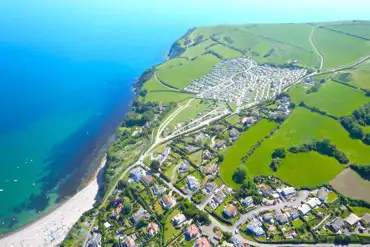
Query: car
[{"x": 236, "y": 231}]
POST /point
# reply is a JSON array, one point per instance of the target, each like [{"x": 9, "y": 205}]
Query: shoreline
[{"x": 51, "y": 228}]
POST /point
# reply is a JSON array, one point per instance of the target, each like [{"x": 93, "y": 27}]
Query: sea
[{"x": 66, "y": 75}]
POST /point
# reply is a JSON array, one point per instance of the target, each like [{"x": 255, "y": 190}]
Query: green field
[
  {"x": 241, "y": 147},
  {"x": 153, "y": 85},
  {"x": 334, "y": 98},
  {"x": 225, "y": 52},
  {"x": 197, "y": 50},
  {"x": 339, "y": 49},
  {"x": 308, "y": 169},
  {"x": 360, "y": 211},
  {"x": 166, "y": 97},
  {"x": 179, "y": 73},
  {"x": 301, "y": 127},
  {"x": 360, "y": 29}
]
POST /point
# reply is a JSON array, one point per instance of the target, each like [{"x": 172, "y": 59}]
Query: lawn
[
  {"x": 166, "y": 97},
  {"x": 234, "y": 119},
  {"x": 360, "y": 211},
  {"x": 180, "y": 73},
  {"x": 169, "y": 230},
  {"x": 332, "y": 97},
  {"x": 301, "y": 127},
  {"x": 360, "y": 77},
  {"x": 153, "y": 84},
  {"x": 308, "y": 169},
  {"x": 297, "y": 223},
  {"x": 361, "y": 29},
  {"x": 197, "y": 50},
  {"x": 332, "y": 196},
  {"x": 241, "y": 147},
  {"x": 339, "y": 49},
  {"x": 225, "y": 52}
]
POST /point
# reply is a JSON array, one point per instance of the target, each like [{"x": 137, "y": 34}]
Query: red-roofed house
[
  {"x": 191, "y": 232},
  {"x": 202, "y": 242}
]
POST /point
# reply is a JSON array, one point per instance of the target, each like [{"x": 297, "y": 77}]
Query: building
[
  {"x": 202, "y": 242},
  {"x": 168, "y": 201},
  {"x": 117, "y": 210},
  {"x": 178, "y": 219},
  {"x": 147, "y": 180},
  {"x": 336, "y": 225},
  {"x": 234, "y": 132},
  {"x": 230, "y": 210},
  {"x": 129, "y": 242},
  {"x": 183, "y": 167},
  {"x": 207, "y": 155},
  {"x": 255, "y": 227},
  {"x": 267, "y": 217},
  {"x": 282, "y": 219},
  {"x": 322, "y": 194},
  {"x": 304, "y": 209},
  {"x": 292, "y": 213},
  {"x": 210, "y": 169},
  {"x": 141, "y": 213},
  {"x": 265, "y": 190},
  {"x": 158, "y": 191},
  {"x": 191, "y": 232},
  {"x": 211, "y": 186},
  {"x": 246, "y": 202},
  {"x": 137, "y": 173},
  {"x": 152, "y": 229},
  {"x": 352, "y": 219},
  {"x": 220, "y": 145},
  {"x": 95, "y": 241},
  {"x": 288, "y": 191},
  {"x": 107, "y": 225},
  {"x": 193, "y": 183},
  {"x": 313, "y": 202},
  {"x": 219, "y": 196}
]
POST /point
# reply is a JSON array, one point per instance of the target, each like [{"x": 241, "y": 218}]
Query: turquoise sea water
[{"x": 66, "y": 72}]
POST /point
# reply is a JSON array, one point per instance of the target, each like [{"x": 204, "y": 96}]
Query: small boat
[
  {"x": 15, "y": 180},
  {"x": 1, "y": 190}
]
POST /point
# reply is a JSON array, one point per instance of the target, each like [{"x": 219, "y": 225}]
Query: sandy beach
[{"x": 51, "y": 229}]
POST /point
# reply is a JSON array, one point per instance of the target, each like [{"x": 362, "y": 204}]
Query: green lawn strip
[
  {"x": 308, "y": 169},
  {"x": 297, "y": 223},
  {"x": 339, "y": 49},
  {"x": 301, "y": 127},
  {"x": 153, "y": 84},
  {"x": 169, "y": 230},
  {"x": 169, "y": 171},
  {"x": 241, "y": 147},
  {"x": 179, "y": 74},
  {"x": 166, "y": 97},
  {"x": 233, "y": 119},
  {"x": 196, "y": 157},
  {"x": 225, "y": 52},
  {"x": 334, "y": 98},
  {"x": 359, "y": 211}
]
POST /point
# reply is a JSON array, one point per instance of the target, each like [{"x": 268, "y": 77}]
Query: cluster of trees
[
  {"x": 191, "y": 211},
  {"x": 314, "y": 88},
  {"x": 278, "y": 153},
  {"x": 323, "y": 147},
  {"x": 275, "y": 164},
  {"x": 239, "y": 175},
  {"x": 354, "y": 123},
  {"x": 249, "y": 188},
  {"x": 362, "y": 170}
]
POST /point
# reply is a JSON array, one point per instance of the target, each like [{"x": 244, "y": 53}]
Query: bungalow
[
  {"x": 288, "y": 191},
  {"x": 230, "y": 211},
  {"x": 267, "y": 217},
  {"x": 129, "y": 242},
  {"x": 178, "y": 219},
  {"x": 246, "y": 202},
  {"x": 168, "y": 201},
  {"x": 193, "y": 183},
  {"x": 322, "y": 194},
  {"x": 304, "y": 209},
  {"x": 141, "y": 213},
  {"x": 211, "y": 186},
  {"x": 219, "y": 196},
  {"x": 191, "y": 232},
  {"x": 313, "y": 202},
  {"x": 152, "y": 229},
  {"x": 255, "y": 227},
  {"x": 336, "y": 225},
  {"x": 352, "y": 219},
  {"x": 147, "y": 180},
  {"x": 210, "y": 169},
  {"x": 202, "y": 242},
  {"x": 137, "y": 173},
  {"x": 282, "y": 219}
]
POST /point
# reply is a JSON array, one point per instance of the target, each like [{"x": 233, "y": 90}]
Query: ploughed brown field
[{"x": 350, "y": 184}]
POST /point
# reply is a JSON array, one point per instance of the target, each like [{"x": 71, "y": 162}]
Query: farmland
[
  {"x": 334, "y": 98},
  {"x": 241, "y": 147}
]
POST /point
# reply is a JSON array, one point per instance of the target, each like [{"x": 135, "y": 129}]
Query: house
[
  {"x": 117, "y": 210},
  {"x": 168, "y": 201},
  {"x": 220, "y": 145},
  {"x": 191, "y": 232},
  {"x": 288, "y": 191},
  {"x": 246, "y": 202},
  {"x": 313, "y": 202},
  {"x": 211, "y": 186},
  {"x": 352, "y": 219},
  {"x": 152, "y": 229},
  {"x": 137, "y": 173},
  {"x": 210, "y": 169},
  {"x": 141, "y": 213},
  {"x": 202, "y": 242},
  {"x": 207, "y": 155},
  {"x": 158, "y": 191},
  {"x": 178, "y": 219},
  {"x": 336, "y": 225},
  {"x": 304, "y": 209},
  {"x": 322, "y": 194},
  {"x": 255, "y": 227},
  {"x": 218, "y": 235},
  {"x": 183, "y": 167},
  {"x": 129, "y": 242},
  {"x": 282, "y": 219},
  {"x": 147, "y": 180},
  {"x": 267, "y": 217},
  {"x": 230, "y": 210},
  {"x": 234, "y": 132},
  {"x": 95, "y": 241},
  {"x": 107, "y": 225},
  {"x": 193, "y": 183},
  {"x": 219, "y": 196},
  {"x": 162, "y": 158},
  {"x": 292, "y": 213},
  {"x": 265, "y": 190}
]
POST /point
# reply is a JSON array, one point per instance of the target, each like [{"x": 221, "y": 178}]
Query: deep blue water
[{"x": 66, "y": 72}]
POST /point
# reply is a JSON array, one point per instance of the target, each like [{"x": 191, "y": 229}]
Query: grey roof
[{"x": 337, "y": 224}]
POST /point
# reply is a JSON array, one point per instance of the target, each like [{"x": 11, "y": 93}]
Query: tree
[
  {"x": 366, "y": 140},
  {"x": 155, "y": 164},
  {"x": 279, "y": 153},
  {"x": 357, "y": 132},
  {"x": 239, "y": 175},
  {"x": 141, "y": 223},
  {"x": 220, "y": 158},
  {"x": 274, "y": 165},
  {"x": 126, "y": 205}
]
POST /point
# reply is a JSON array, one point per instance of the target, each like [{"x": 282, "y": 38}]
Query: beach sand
[{"x": 51, "y": 229}]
